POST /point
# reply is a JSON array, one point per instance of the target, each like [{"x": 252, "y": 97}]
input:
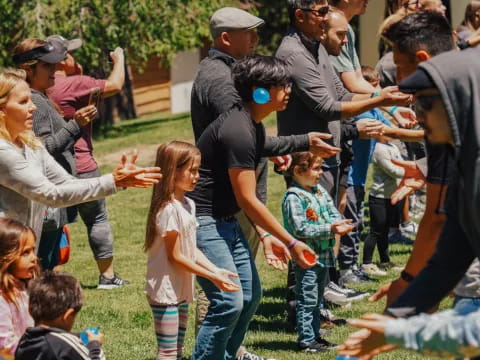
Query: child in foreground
[
  {"x": 18, "y": 264},
  {"x": 55, "y": 300},
  {"x": 310, "y": 215},
  {"x": 173, "y": 257}
]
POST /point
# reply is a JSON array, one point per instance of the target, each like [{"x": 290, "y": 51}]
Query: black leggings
[{"x": 382, "y": 215}]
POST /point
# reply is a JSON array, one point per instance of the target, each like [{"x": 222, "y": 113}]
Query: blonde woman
[{"x": 30, "y": 179}]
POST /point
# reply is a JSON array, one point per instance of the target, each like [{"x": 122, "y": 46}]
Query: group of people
[{"x": 208, "y": 211}]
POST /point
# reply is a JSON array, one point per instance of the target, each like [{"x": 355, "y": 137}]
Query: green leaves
[{"x": 143, "y": 27}]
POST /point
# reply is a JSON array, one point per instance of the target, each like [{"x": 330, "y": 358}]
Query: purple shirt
[{"x": 71, "y": 93}]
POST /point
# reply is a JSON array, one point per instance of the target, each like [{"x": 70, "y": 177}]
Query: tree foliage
[{"x": 143, "y": 27}]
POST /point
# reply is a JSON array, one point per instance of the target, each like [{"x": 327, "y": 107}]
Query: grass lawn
[{"x": 124, "y": 314}]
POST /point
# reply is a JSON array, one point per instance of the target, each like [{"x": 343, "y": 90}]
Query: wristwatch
[
  {"x": 463, "y": 44},
  {"x": 406, "y": 276}
]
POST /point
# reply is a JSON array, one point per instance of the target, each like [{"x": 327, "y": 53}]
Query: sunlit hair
[
  {"x": 9, "y": 79},
  {"x": 13, "y": 236},
  {"x": 171, "y": 157},
  {"x": 370, "y": 74},
  {"x": 470, "y": 12},
  {"x": 302, "y": 161},
  {"x": 390, "y": 20}
]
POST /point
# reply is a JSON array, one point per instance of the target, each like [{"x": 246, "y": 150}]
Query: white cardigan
[{"x": 31, "y": 179}]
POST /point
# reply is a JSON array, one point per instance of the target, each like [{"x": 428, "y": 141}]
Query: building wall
[
  {"x": 371, "y": 20},
  {"x": 182, "y": 73}
]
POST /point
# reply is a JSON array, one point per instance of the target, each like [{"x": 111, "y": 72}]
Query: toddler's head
[
  {"x": 18, "y": 261},
  {"x": 306, "y": 169},
  {"x": 371, "y": 75},
  {"x": 55, "y": 300}
]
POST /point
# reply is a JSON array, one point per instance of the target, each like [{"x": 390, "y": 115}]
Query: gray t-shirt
[
  {"x": 386, "y": 175},
  {"x": 347, "y": 61}
]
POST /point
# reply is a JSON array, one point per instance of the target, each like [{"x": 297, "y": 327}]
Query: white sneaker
[
  {"x": 409, "y": 229},
  {"x": 372, "y": 269},
  {"x": 335, "y": 296},
  {"x": 249, "y": 356},
  {"x": 351, "y": 294}
]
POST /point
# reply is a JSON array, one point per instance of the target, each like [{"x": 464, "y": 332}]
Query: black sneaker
[
  {"x": 105, "y": 283},
  {"x": 363, "y": 276},
  {"x": 316, "y": 346}
]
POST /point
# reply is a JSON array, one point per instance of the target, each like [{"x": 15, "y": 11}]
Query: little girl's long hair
[
  {"x": 13, "y": 236},
  {"x": 171, "y": 157}
]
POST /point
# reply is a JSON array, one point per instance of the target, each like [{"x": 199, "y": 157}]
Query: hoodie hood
[{"x": 456, "y": 74}]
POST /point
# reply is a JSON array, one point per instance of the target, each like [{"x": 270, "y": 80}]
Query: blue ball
[{"x": 261, "y": 96}]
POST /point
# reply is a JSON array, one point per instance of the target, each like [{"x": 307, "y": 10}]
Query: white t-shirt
[{"x": 166, "y": 283}]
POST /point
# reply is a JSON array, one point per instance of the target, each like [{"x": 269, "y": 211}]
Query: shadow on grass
[
  {"x": 271, "y": 314},
  {"x": 402, "y": 251},
  {"x": 88, "y": 287},
  {"x": 276, "y": 345}
]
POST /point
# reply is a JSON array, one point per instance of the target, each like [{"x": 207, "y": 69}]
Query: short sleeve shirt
[
  {"x": 166, "y": 283},
  {"x": 71, "y": 93},
  {"x": 347, "y": 61},
  {"x": 233, "y": 141}
]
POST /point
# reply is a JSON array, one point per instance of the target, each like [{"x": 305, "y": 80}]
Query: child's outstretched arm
[{"x": 174, "y": 253}]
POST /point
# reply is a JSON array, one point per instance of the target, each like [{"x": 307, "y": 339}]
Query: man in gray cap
[
  {"x": 234, "y": 37},
  {"x": 71, "y": 92}
]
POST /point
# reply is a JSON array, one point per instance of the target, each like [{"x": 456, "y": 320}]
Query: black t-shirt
[
  {"x": 233, "y": 141},
  {"x": 440, "y": 163}
]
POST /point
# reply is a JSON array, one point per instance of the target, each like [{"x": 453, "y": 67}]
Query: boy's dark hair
[
  {"x": 300, "y": 4},
  {"x": 259, "y": 71},
  {"x": 52, "y": 294},
  {"x": 370, "y": 74},
  {"x": 423, "y": 30},
  {"x": 303, "y": 160}
]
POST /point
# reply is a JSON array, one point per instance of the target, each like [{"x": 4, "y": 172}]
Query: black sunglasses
[
  {"x": 424, "y": 103},
  {"x": 318, "y": 12}
]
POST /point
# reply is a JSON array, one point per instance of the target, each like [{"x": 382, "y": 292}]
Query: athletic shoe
[
  {"x": 409, "y": 229},
  {"x": 348, "y": 277},
  {"x": 333, "y": 295},
  {"x": 386, "y": 266},
  {"x": 249, "y": 356},
  {"x": 330, "y": 320},
  {"x": 318, "y": 345},
  {"x": 363, "y": 276},
  {"x": 372, "y": 269},
  {"x": 396, "y": 237},
  {"x": 351, "y": 294},
  {"x": 105, "y": 283}
]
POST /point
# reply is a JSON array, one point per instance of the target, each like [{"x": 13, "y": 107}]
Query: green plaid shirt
[{"x": 307, "y": 216}]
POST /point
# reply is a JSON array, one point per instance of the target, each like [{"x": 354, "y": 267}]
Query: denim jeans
[
  {"x": 229, "y": 314},
  {"x": 309, "y": 287},
  {"x": 464, "y": 306}
]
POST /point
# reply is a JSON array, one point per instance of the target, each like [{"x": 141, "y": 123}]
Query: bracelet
[
  {"x": 406, "y": 276},
  {"x": 392, "y": 110},
  {"x": 292, "y": 244},
  {"x": 264, "y": 236},
  {"x": 375, "y": 94}
]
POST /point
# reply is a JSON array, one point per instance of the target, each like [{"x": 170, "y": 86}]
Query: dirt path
[{"x": 147, "y": 152}]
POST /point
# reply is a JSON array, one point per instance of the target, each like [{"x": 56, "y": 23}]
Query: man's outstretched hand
[
  {"x": 412, "y": 180},
  {"x": 320, "y": 147}
]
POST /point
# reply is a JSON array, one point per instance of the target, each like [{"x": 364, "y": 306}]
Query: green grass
[{"x": 124, "y": 313}]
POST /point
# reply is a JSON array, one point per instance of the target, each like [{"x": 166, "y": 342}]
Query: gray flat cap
[{"x": 230, "y": 18}]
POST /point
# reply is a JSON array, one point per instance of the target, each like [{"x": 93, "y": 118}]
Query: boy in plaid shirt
[{"x": 310, "y": 215}]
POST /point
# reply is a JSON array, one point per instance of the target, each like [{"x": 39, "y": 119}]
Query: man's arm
[
  {"x": 116, "y": 79},
  {"x": 452, "y": 257},
  {"x": 356, "y": 83},
  {"x": 404, "y": 134}
]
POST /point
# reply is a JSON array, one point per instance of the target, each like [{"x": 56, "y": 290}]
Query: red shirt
[{"x": 71, "y": 93}]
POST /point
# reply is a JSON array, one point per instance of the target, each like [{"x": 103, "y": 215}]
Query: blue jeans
[
  {"x": 229, "y": 314},
  {"x": 309, "y": 287},
  {"x": 464, "y": 306}
]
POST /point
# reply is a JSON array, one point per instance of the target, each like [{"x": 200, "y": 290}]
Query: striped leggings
[{"x": 170, "y": 322}]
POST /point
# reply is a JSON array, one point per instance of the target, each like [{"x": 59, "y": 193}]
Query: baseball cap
[
  {"x": 69, "y": 44},
  {"x": 230, "y": 18},
  {"x": 419, "y": 80},
  {"x": 50, "y": 52}
]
